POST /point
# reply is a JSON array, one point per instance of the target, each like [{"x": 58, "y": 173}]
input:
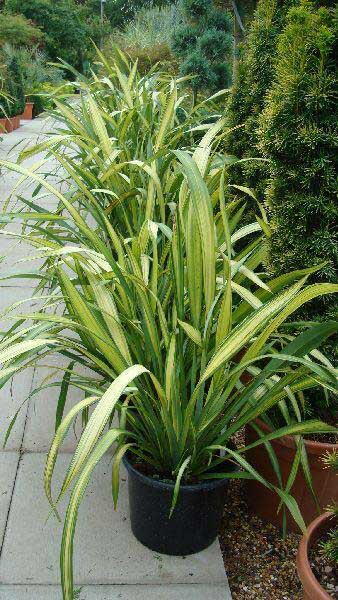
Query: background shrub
[
  {"x": 254, "y": 78},
  {"x": 11, "y": 75},
  {"x": 16, "y": 29},
  {"x": 147, "y": 37},
  {"x": 38, "y": 77},
  {"x": 119, "y": 12},
  {"x": 67, "y": 36},
  {"x": 204, "y": 45}
]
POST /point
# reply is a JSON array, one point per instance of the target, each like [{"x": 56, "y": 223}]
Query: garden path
[{"x": 109, "y": 563}]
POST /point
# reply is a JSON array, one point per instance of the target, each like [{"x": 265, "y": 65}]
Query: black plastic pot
[{"x": 194, "y": 523}]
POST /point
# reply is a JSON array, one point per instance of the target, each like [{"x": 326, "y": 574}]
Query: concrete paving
[
  {"x": 106, "y": 551},
  {"x": 109, "y": 564},
  {"x": 117, "y": 592},
  {"x": 8, "y": 466}
]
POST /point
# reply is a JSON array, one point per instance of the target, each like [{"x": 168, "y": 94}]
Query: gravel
[{"x": 260, "y": 565}]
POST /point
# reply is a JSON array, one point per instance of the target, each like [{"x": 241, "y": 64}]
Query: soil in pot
[
  {"x": 264, "y": 502},
  {"x": 194, "y": 523},
  {"x": 324, "y": 570},
  {"x": 318, "y": 575}
]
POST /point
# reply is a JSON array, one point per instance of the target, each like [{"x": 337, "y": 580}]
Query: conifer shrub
[
  {"x": 255, "y": 74},
  {"x": 298, "y": 134},
  {"x": 17, "y": 30},
  {"x": 15, "y": 87},
  {"x": 14, "y": 101}
]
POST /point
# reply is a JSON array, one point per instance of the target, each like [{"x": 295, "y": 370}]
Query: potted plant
[
  {"x": 157, "y": 303},
  {"x": 179, "y": 410},
  {"x": 321, "y": 538},
  {"x": 313, "y": 487},
  {"x": 6, "y": 123},
  {"x": 14, "y": 104}
]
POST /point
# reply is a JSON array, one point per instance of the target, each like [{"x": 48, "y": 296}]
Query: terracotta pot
[
  {"x": 264, "y": 502},
  {"x": 312, "y": 590},
  {"x": 28, "y": 112},
  {"x": 6, "y": 125},
  {"x": 16, "y": 122}
]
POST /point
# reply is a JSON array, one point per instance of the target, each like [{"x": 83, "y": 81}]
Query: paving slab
[
  {"x": 8, "y": 466},
  {"x": 120, "y": 592},
  {"x": 13, "y": 397},
  {"x": 13, "y": 302},
  {"x": 105, "y": 550},
  {"x": 18, "y": 257},
  {"x": 40, "y": 426}
]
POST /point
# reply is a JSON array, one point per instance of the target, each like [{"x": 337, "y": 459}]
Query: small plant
[
  {"x": 204, "y": 45},
  {"x": 330, "y": 547}
]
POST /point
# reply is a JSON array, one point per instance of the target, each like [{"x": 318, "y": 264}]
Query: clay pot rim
[
  {"x": 312, "y": 447},
  {"x": 309, "y": 581}
]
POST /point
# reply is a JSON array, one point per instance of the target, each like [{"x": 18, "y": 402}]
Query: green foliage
[
  {"x": 218, "y": 19},
  {"x": 214, "y": 45},
  {"x": 194, "y": 9},
  {"x": 298, "y": 133},
  {"x": 183, "y": 38},
  {"x": 17, "y": 30},
  {"x": 119, "y": 12},
  {"x": 147, "y": 38},
  {"x": 35, "y": 69},
  {"x": 148, "y": 295},
  {"x": 330, "y": 546},
  {"x": 330, "y": 460},
  {"x": 197, "y": 65},
  {"x": 203, "y": 44},
  {"x": 254, "y": 77},
  {"x": 13, "y": 87},
  {"x": 255, "y": 73},
  {"x": 67, "y": 37}
]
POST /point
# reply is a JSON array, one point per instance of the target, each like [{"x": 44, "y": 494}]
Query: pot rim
[
  {"x": 313, "y": 532},
  {"x": 313, "y": 447},
  {"x": 208, "y": 485}
]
